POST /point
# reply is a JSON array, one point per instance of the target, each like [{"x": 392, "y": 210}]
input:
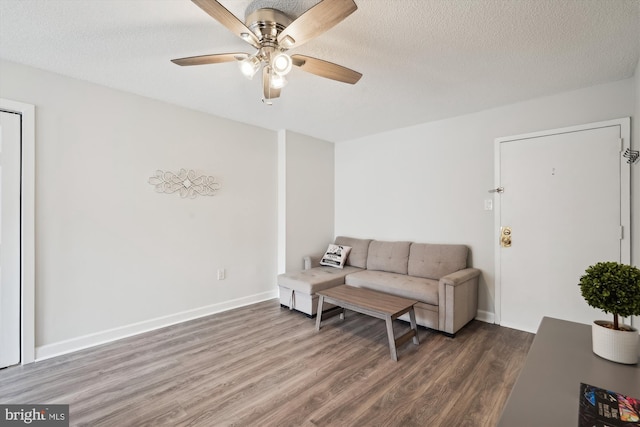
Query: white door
[
  {"x": 9, "y": 239},
  {"x": 566, "y": 199}
]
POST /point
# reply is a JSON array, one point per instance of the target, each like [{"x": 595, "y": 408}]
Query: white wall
[
  {"x": 309, "y": 197},
  {"x": 635, "y": 173},
  {"x": 112, "y": 253},
  {"x": 428, "y": 183}
]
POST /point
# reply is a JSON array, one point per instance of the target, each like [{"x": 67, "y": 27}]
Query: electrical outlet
[{"x": 221, "y": 274}]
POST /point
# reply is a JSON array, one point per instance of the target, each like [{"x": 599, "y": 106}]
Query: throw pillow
[{"x": 335, "y": 256}]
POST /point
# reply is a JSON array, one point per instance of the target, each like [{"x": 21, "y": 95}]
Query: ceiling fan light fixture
[
  {"x": 276, "y": 81},
  {"x": 249, "y": 66},
  {"x": 281, "y": 64}
]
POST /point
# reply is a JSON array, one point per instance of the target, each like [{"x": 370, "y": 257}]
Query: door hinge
[{"x": 621, "y": 232}]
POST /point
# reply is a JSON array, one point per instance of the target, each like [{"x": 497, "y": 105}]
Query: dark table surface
[{"x": 547, "y": 390}]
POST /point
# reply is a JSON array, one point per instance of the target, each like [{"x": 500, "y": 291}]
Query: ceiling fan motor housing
[{"x": 266, "y": 24}]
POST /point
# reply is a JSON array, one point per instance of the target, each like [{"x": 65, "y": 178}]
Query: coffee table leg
[
  {"x": 392, "y": 339},
  {"x": 412, "y": 317},
  {"x": 319, "y": 312}
]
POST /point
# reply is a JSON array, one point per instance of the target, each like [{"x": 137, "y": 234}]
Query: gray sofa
[{"x": 434, "y": 274}]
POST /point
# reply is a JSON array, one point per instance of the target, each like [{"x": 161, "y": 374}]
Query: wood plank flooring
[{"x": 263, "y": 365}]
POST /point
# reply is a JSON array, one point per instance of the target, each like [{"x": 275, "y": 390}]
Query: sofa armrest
[
  {"x": 460, "y": 276},
  {"x": 311, "y": 261},
  {"x": 458, "y": 299}
]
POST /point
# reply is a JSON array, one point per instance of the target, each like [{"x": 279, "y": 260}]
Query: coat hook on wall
[
  {"x": 631, "y": 155},
  {"x": 188, "y": 183}
]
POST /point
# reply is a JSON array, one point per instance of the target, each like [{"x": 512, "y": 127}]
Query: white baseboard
[
  {"x": 86, "y": 341},
  {"x": 518, "y": 326},
  {"x": 485, "y": 316}
]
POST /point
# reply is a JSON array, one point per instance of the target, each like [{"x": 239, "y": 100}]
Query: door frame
[
  {"x": 625, "y": 199},
  {"x": 27, "y": 226}
]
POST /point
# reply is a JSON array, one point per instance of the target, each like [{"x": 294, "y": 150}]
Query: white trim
[
  {"x": 497, "y": 222},
  {"x": 625, "y": 179},
  {"x": 91, "y": 340},
  {"x": 27, "y": 220},
  {"x": 485, "y": 316},
  {"x": 519, "y": 327},
  {"x": 625, "y": 171}
]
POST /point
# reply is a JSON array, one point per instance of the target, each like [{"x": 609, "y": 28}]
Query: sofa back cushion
[
  {"x": 359, "y": 250},
  {"x": 434, "y": 261},
  {"x": 388, "y": 256}
]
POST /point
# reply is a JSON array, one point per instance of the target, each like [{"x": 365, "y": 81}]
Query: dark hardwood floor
[{"x": 262, "y": 365}]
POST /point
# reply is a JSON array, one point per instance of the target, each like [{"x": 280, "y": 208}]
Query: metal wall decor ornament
[{"x": 187, "y": 183}]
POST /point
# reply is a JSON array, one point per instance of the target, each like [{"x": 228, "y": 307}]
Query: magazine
[{"x": 606, "y": 408}]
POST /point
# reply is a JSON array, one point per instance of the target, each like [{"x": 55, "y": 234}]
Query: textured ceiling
[{"x": 422, "y": 60}]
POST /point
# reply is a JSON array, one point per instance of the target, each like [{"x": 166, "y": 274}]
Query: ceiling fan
[{"x": 272, "y": 33}]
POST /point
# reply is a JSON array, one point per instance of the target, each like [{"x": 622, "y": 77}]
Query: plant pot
[{"x": 617, "y": 346}]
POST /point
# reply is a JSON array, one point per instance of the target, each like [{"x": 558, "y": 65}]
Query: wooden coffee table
[{"x": 371, "y": 303}]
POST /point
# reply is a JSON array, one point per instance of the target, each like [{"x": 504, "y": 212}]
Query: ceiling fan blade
[
  {"x": 267, "y": 91},
  {"x": 315, "y": 21},
  {"x": 210, "y": 59},
  {"x": 229, "y": 20},
  {"x": 326, "y": 69}
]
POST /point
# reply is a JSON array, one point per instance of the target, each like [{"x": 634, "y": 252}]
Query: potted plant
[{"x": 614, "y": 288}]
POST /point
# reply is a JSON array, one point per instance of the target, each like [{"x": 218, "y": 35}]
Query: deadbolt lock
[{"x": 505, "y": 237}]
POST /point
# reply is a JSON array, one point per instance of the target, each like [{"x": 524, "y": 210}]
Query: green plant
[{"x": 613, "y": 288}]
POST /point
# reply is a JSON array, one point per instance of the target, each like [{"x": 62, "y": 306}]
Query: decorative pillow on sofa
[{"x": 335, "y": 256}]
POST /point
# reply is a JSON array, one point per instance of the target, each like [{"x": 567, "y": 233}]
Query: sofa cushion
[
  {"x": 359, "y": 250},
  {"x": 388, "y": 256},
  {"x": 335, "y": 256},
  {"x": 435, "y": 261},
  {"x": 315, "y": 279},
  {"x": 418, "y": 288}
]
